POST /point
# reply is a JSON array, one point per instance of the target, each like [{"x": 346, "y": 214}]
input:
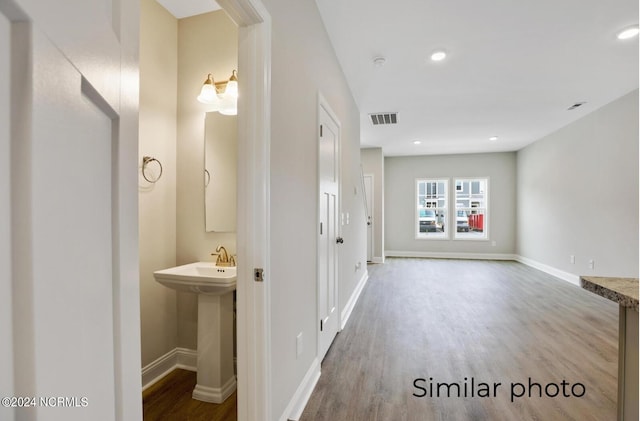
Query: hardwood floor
[
  {"x": 170, "y": 400},
  {"x": 495, "y": 322}
]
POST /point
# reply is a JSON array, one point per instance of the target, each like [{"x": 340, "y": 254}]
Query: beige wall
[
  {"x": 207, "y": 43},
  {"x": 157, "y": 202},
  {"x": 373, "y": 164}
]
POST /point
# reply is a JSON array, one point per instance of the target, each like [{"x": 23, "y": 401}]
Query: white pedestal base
[{"x": 216, "y": 378}]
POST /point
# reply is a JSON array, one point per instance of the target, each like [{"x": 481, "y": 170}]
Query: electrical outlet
[
  {"x": 299, "y": 345},
  {"x": 592, "y": 264},
  {"x": 494, "y": 243},
  {"x": 572, "y": 259}
]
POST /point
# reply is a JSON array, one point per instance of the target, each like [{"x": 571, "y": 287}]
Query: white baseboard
[
  {"x": 377, "y": 259},
  {"x": 450, "y": 255},
  {"x": 215, "y": 394},
  {"x": 565, "y": 276},
  {"x": 303, "y": 393},
  {"x": 183, "y": 358},
  {"x": 348, "y": 308}
]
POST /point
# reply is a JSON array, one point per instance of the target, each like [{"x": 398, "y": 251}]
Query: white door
[
  {"x": 368, "y": 191},
  {"x": 74, "y": 208},
  {"x": 329, "y": 229}
]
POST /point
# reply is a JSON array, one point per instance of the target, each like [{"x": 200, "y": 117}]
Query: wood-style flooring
[
  {"x": 170, "y": 400},
  {"x": 495, "y": 322}
]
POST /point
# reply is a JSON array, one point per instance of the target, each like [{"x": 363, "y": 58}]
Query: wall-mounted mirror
[{"x": 220, "y": 163}]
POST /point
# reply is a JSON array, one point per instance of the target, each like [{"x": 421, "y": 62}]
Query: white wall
[
  {"x": 304, "y": 64},
  {"x": 400, "y": 176},
  {"x": 157, "y": 202},
  {"x": 74, "y": 208},
  {"x": 578, "y": 193},
  {"x": 6, "y": 325},
  {"x": 373, "y": 163},
  {"x": 207, "y": 43}
]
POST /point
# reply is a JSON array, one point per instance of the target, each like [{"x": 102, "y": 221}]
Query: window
[
  {"x": 431, "y": 208},
  {"x": 472, "y": 208}
]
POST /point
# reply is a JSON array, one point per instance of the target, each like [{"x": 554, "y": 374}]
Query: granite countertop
[{"x": 623, "y": 291}]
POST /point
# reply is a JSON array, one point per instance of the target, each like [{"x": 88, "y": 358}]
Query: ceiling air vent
[
  {"x": 384, "y": 118},
  {"x": 576, "y": 105}
]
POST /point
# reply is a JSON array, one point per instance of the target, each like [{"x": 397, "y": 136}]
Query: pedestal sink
[{"x": 214, "y": 286}]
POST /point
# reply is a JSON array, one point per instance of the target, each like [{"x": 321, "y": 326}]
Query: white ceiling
[
  {"x": 185, "y": 8},
  {"x": 512, "y": 70}
]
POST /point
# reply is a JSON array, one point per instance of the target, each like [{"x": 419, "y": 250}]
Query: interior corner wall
[
  {"x": 304, "y": 64},
  {"x": 400, "y": 180},
  {"x": 157, "y": 202},
  {"x": 578, "y": 194},
  {"x": 373, "y": 163},
  {"x": 207, "y": 43}
]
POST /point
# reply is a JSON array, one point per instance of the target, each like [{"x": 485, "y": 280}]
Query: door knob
[{"x": 339, "y": 240}]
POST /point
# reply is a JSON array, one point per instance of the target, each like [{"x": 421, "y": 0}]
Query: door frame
[
  {"x": 323, "y": 104},
  {"x": 254, "y": 128}
]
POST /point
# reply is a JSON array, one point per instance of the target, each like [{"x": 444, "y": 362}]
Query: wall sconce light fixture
[{"x": 221, "y": 96}]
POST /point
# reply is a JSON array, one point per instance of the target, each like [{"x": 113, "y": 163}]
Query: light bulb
[
  {"x": 208, "y": 94},
  {"x": 629, "y": 32}
]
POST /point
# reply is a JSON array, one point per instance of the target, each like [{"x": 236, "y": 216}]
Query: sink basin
[{"x": 199, "y": 277}]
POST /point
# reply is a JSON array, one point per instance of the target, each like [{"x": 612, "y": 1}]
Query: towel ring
[
  {"x": 146, "y": 160},
  {"x": 208, "y": 175}
]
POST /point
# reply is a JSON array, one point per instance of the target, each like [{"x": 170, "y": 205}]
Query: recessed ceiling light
[
  {"x": 493, "y": 138},
  {"x": 629, "y": 32},
  {"x": 416, "y": 142},
  {"x": 438, "y": 55}
]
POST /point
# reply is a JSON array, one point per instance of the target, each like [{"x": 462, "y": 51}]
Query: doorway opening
[{"x": 251, "y": 237}]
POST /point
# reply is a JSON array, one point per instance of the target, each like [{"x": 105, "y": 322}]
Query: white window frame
[
  {"x": 485, "y": 229},
  {"x": 446, "y": 209}
]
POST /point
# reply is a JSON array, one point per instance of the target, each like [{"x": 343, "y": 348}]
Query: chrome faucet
[{"x": 223, "y": 258}]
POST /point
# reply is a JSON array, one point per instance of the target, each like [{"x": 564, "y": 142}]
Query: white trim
[
  {"x": 183, "y": 358},
  {"x": 348, "y": 308},
  {"x": 451, "y": 255},
  {"x": 377, "y": 259},
  {"x": 565, "y": 276},
  {"x": 215, "y": 394},
  {"x": 303, "y": 393},
  {"x": 243, "y": 12},
  {"x": 253, "y": 234}
]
